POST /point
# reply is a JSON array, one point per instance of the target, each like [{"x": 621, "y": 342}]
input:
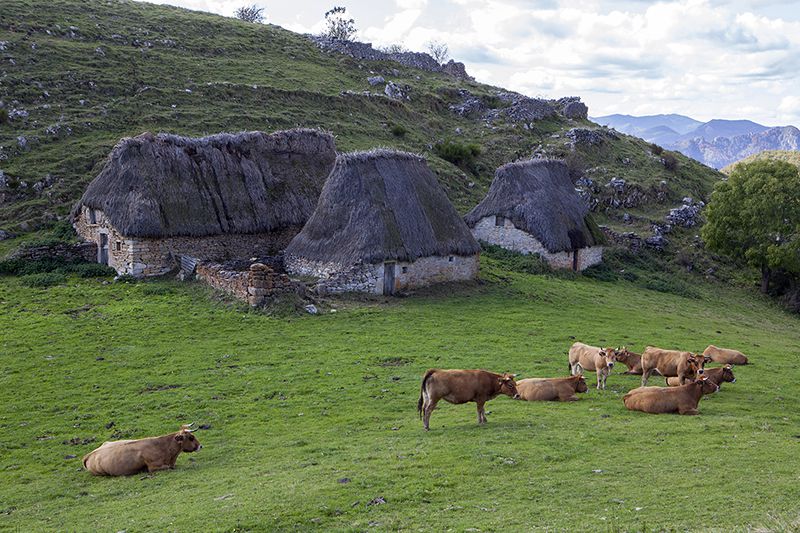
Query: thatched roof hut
[
  {"x": 166, "y": 186},
  {"x": 382, "y": 205},
  {"x": 539, "y": 198}
]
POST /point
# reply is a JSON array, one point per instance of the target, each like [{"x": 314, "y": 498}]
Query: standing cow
[
  {"x": 668, "y": 363},
  {"x": 126, "y": 457},
  {"x": 551, "y": 389},
  {"x": 592, "y": 358},
  {"x": 462, "y": 386},
  {"x": 726, "y": 356}
]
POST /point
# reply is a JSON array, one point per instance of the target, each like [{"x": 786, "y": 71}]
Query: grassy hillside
[
  {"x": 789, "y": 156},
  {"x": 313, "y": 418},
  {"x": 88, "y": 73}
]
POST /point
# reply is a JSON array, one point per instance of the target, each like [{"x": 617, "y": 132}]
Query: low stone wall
[
  {"x": 335, "y": 278},
  {"x": 154, "y": 257},
  {"x": 255, "y": 285},
  {"x": 73, "y": 253},
  {"x": 512, "y": 238}
]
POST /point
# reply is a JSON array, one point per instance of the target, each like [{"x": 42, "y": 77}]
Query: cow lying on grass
[
  {"x": 126, "y": 457},
  {"x": 658, "y": 400},
  {"x": 632, "y": 360},
  {"x": 593, "y": 359},
  {"x": 719, "y": 375},
  {"x": 725, "y": 356},
  {"x": 671, "y": 363},
  {"x": 462, "y": 386},
  {"x": 551, "y": 389}
]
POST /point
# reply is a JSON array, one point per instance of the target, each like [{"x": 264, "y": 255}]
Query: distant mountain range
[{"x": 716, "y": 143}]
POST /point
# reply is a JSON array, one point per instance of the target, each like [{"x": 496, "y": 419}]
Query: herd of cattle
[
  {"x": 686, "y": 377},
  {"x": 685, "y": 374}
]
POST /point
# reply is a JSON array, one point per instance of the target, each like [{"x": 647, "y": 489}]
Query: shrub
[
  {"x": 394, "y": 49},
  {"x": 398, "y": 130},
  {"x": 93, "y": 270},
  {"x": 601, "y": 272},
  {"x": 126, "y": 278},
  {"x": 670, "y": 162},
  {"x": 339, "y": 27},
  {"x": 251, "y": 13},
  {"x": 3, "y": 116},
  {"x": 439, "y": 51},
  {"x": 43, "y": 280},
  {"x": 656, "y": 149},
  {"x": 457, "y": 153}
]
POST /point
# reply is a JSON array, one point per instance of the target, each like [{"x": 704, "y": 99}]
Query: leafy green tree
[
  {"x": 755, "y": 215},
  {"x": 338, "y": 26}
]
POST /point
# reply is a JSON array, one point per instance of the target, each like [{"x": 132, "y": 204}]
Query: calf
[
  {"x": 725, "y": 356},
  {"x": 683, "y": 365},
  {"x": 126, "y": 457},
  {"x": 600, "y": 360},
  {"x": 551, "y": 389},
  {"x": 682, "y": 399},
  {"x": 719, "y": 375},
  {"x": 632, "y": 360},
  {"x": 462, "y": 386}
]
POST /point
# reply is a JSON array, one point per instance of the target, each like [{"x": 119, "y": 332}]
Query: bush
[
  {"x": 656, "y": 149},
  {"x": 251, "y": 13},
  {"x": 670, "y": 162},
  {"x": 126, "y": 278},
  {"x": 338, "y": 26},
  {"x": 457, "y": 153},
  {"x": 43, "y": 280},
  {"x": 398, "y": 130},
  {"x": 92, "y": 270},
  {"x": 3, "y": 116},
  {"x": 601, "y": 272}
]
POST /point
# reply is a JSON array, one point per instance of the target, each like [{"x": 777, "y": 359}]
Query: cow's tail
[{"x": 428, "y": 374}]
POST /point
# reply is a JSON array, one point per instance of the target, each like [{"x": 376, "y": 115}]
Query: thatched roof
[
  {"x": 165, "y": 185},
  {"x": 539, "y": 197},
  {"x": 378, "y": 206}
]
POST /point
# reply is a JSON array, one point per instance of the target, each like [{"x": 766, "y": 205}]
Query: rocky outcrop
[
  {"x": 687, "y": 215},
  {"x": 572, "y": 107},
  {"x": 511, "y": 107},
  {"x": 457, "y": 70},
  {"x": 589, "y": 137}
]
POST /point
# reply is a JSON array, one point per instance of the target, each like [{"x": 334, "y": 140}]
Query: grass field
[{"x": 296, "y": 404}]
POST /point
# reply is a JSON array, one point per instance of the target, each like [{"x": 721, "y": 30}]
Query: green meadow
[{"x": 311, "y": 420}]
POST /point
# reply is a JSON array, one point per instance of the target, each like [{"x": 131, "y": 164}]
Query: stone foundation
[
  {"x": 512, "y": 238},
  {"x": 154, "y": 257},
  {"x": 254, "y": 285},
  {"x": 335, "y": 278}
]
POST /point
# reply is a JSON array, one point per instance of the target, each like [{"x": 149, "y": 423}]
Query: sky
[{"x": 702, "y": 58}]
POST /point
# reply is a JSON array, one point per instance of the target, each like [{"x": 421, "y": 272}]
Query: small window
[
  {"x": 118, "y": 246},
  {"x": 92, "y": 216},
  {"x": 405, "y": 270},
  {"x": 450, "y": 259},
  {"x": 499, "y": 221}
]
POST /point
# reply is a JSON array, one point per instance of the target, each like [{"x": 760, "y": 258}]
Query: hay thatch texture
[
  {"x": 539, "y": 198},
  {"x": 378, "y": 206},
  {"x": 165, "y": 185}
]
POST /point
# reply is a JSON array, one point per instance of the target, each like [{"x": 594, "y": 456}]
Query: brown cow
[
  {"x": 682, "y": 400},
  {"x": 599, "y": 360},
  {"x": 632, "y": 360},
  {"x": 462, "y": 386},
  {"x": 683, "y": 365},
  {"x": 551, "y": 389},
  {"x": 719, "y": 375},
  {"x": 126, "y": 457},
  {"x": 725, "y": 356}
]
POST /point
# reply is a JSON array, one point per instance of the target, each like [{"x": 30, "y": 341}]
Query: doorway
[
  {"x": 388, "y": 278},
  {"x": 575, "y": 260},
  {"x": 102, "y": 251}
]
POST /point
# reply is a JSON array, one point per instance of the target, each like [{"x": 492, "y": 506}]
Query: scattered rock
[
  {"x": 343, "y": 480},
  {"x": 375, "y": 80},
  {"x": 311, "y": 309},
  {"x": 657, "y": 242},
  {"x": 204, "y": 426},
  {"x": 70, "y": 456},
  {"x": 377, "y": 501},
  {"x": 392, "y": 90},
  {"x": 5, "y": 235},
  {"x": 77, "y": 441},
  {"x": 687, "y": 215},
  {"x": 22, "y": 142},
  {"x": 223, "y": 497}
]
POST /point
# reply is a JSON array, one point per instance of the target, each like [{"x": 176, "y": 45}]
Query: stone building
[
  {"x": 160, "y": 198},
  {"x": 383, "y": 224},
  {"x": 532, "y": 208}
]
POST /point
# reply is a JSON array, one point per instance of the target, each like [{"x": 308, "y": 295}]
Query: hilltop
[
  {"x": 790, "y": 156},
  {"x": 77, "y": 77}
]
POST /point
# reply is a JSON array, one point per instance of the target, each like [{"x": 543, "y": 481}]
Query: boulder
[
  {"x": 576, "y": 110},
  {"x": 457, "y": 70},
  {"x": 392, "y": 90},
  {"x": 375, "y": 80}
]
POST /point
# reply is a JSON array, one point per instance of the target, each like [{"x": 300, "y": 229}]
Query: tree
[
  {"x": 338, "y": 26},
  {"x": 439, "y": 51},
  {"x": 755, "y": 215},
  {"x": 394, "y": 49},
  {"x": 251, "y": 13}
]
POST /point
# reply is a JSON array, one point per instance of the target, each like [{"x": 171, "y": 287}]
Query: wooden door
[
  {"x": 388, "y": 278},
  {"x": 102, "y": 252}
]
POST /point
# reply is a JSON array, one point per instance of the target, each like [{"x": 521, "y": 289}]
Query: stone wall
[
  {"x": 72, "y": 253},
  {"x": 255, "y": 285},
  {"x": 510, "y": 237},
  {"x": 336, "y": 278},
  {"x": 153, "y": 257}
]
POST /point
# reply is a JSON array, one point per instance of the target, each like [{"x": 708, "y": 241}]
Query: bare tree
[
  {"x": 394, "y": 49},
  {"x": 439, "y": 51},
  {"x": 251, "y": 13},
  {"x": 338, "y": 26}
]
